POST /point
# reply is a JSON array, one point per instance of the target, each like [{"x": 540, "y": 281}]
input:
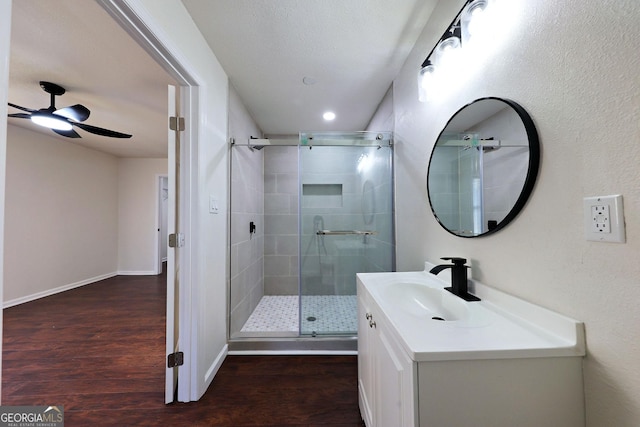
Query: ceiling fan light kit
[
  {"x": 48, "y": 121},
  {"x": 62, "y": 120}
]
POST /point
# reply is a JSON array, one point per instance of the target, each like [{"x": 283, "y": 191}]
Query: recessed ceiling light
[
  {"x": 309, "y": 80},
  {"x": 329, "y": 115}
]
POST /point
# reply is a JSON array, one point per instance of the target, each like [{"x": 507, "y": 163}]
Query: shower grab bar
[{"x": 346, "y": 232}]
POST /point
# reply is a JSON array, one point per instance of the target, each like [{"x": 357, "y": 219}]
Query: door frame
[{"x": 139, "y": 26}]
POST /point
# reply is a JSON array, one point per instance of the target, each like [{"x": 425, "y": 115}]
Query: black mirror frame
[{"x": 532, "y": 171}]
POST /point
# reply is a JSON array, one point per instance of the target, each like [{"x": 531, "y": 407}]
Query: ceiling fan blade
[
  {"x": 20, "y": 115},
  {"x": 68, "y": 133},
  {"x": 21, "y": 108},
  {"x": 101, "y": 131},
  {"x": 77, "y": 112}
]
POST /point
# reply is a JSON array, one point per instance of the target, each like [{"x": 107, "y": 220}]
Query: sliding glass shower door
[
  {"x": 456, "y": 191},
  {"x": 346, "y": 224}
]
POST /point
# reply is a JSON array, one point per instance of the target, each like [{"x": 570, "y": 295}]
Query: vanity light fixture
[{"x": 457, "y": 35}]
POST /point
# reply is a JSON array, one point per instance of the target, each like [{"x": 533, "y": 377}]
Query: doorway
[
  {"x": 108, "y": 168},
  {"x": 162, "y": 195}
]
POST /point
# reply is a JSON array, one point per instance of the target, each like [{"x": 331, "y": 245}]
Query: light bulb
[
  {"x": 426, "y": 79},
  {"x": 474, "y": 20},
  {"x": 50, "y": 121},
  {"x": 445, "y": 50},
  {"x": 329, "y": 115}
]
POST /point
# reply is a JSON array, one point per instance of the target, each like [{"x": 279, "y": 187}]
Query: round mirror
[{"x": 483, "y": 167}]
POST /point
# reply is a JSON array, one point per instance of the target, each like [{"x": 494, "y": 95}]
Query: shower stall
[{"x": 307, "y": 214}]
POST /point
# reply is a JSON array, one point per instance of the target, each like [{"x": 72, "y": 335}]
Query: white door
[{"x": 172, "y": 252}]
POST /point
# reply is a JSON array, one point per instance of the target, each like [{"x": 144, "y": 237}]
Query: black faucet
[{"x": 458, "y": 277}]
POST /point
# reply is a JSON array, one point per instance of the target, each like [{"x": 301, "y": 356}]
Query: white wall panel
[{"x": 573, "y": 65}]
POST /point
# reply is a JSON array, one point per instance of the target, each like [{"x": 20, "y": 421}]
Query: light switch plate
[
  {"x": 213, "y": 205},
  {"x": 604, "y": 219}
]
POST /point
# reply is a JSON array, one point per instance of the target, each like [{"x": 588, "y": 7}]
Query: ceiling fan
[{"x": 62, "y": 120}]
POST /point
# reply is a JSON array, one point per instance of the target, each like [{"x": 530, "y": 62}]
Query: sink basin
[
  {"x": 433, "y": 324},
  {"x": 424, "y": 301}
]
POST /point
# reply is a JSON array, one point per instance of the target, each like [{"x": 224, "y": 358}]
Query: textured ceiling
[
  {"x": 76, "y": 44},
  {"x": 353, "y": 49}
]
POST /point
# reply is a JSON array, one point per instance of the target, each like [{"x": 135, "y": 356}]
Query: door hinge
[
  {"x": 175, "y": 359},
  {"x": 176, "y": 240},
  {"x": 176, "y": 123}
]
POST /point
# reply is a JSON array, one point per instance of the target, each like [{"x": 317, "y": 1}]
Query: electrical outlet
[
  {"x": 604, "y": 219},
  {"x": 600, "y": 219}
]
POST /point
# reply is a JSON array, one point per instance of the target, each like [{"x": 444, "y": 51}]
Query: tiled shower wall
[
  {"x": 246, "y": 205},
  {"x": 281, "y": 220}
]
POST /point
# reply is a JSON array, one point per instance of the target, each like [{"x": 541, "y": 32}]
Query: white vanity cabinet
[
  {"x": 496, "y": 364},
  {"x": 386, "y": 374}
]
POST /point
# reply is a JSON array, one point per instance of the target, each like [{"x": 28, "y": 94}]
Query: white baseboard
[
  {"x": 213, "y": 369},
  {"x": 293, "y": 353},
  {"x": 137, "y": 273},
  {"x": 48, "y": 292}
]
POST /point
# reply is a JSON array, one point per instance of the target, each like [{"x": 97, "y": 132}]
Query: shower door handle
[{"x": 346, "y": 232}]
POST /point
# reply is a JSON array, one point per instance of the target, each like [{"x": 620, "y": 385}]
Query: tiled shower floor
[{"x": 278, "y": 314}]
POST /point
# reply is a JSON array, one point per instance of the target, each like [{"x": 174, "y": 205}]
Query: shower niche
[{"x": 322, "y": 207}]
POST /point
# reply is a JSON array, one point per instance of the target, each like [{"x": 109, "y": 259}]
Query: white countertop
[{"x": 498, "y": 327}]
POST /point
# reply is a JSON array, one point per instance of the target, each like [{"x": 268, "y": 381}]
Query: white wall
[
  {"x": 77, "y": 214},
  {"x": 573, "y": 65},
  {"x": 61, "y": 215},
  {"x": 137, "y": 213},
  {"x": 383, "y": 118},
  {"x": 5, "y": 36}
]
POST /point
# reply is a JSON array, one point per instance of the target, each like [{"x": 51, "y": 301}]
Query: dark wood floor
[{"x": 99, "y": 351}]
